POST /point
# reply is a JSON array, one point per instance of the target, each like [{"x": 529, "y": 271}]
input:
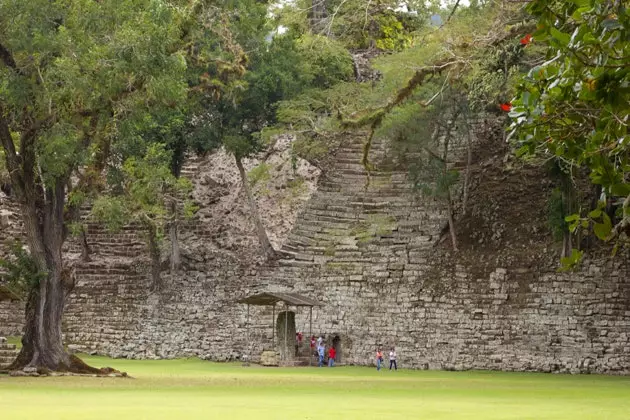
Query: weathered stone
[
  {"x": 506, "y": 308},
  {"x": 269, "y": 358}
]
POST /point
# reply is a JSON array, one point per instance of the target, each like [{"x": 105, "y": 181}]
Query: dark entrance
[{"x": 336, "y": 343}]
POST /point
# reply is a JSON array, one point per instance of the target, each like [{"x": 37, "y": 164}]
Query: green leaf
[
  {"x": 581, "y": 3},
  {"x": 572, "y": 218},
  {"x": 595, "y": 214},
  {"x": 570, "y": 262},
  {"x": 603, "y": 230},
  {"x": 561, "y": 37},
  {"x": 620, "y": 190}
]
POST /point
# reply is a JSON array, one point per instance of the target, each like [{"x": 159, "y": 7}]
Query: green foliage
[
  {"x": 325, "y": 61},
  {"x": 392, "y": 33},
  {"x": 115, "y": 87},
  {"x": 310, "y": 149},
  {"x": 146, "y": 185},
  {"x": 259, "y": 174},
  {"x": 556, "y": 214},
  {"x": 20, "y": 270},
  {"x": 296, "y": 187},
  {"x": 574, "y": 106},
  {"x": 597, "y": 220},
  {"x": 361, "y": 24},
  {"x": 433, "y": 178},
  {"x": 112, "y": 211},
  {"x": 572, "y": 261}
]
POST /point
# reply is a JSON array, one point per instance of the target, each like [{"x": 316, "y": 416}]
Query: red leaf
[
  {"x": 526, "y": 40},
  {"x": 507, "y": 107}
]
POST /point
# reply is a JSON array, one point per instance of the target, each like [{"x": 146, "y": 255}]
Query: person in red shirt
[
  {"x": 298, "y": 342},
  {"x": 332, "y": 353}
]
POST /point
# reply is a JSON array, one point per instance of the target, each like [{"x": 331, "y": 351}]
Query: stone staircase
[
  {"x": 349, "y": 217},
  {"x": 8, "y": 352}
]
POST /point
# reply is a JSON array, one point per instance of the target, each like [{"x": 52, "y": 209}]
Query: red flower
[
  {"x": 507, "y": 107},
  {"x": 526, "y": 40}
]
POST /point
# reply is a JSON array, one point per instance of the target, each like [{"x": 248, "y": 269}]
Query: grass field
[{"x": 195, "y": 389}]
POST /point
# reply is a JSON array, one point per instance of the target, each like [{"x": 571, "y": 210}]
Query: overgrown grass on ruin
[{"x": 195, "y": 389}]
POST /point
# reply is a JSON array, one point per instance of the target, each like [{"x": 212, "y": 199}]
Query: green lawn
[{"x": 194, "y": 389}]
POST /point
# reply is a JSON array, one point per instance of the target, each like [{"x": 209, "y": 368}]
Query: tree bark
[
  {"x": 468, "y": 166},
  {"x": 85, "y": 247},
  {"x": 42, "y": 345},
  {"x": 173, "y": 226},
  {"x": 449, "y": 200},
  {"x": 267, "y": 248},
  {"x": 154, "y": 253},
  {"x": 569, "y": 207},
  {"x": 451, "y": 222},
  {"x": 318, "y": 15}
]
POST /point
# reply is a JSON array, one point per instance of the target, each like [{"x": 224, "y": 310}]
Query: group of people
[
  {"x": 392, "y": 359},
  {"x": 321, "y": 352},
  {"x": 318, "y": 347}
]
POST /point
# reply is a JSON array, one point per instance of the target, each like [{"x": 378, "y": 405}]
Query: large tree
[{"x": 70, "y": 71}]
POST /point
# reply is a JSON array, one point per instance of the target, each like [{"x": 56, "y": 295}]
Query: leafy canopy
[{"x": 575, "y": 106}]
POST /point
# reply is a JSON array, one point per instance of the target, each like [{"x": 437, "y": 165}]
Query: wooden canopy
[{"x": 271, "y": 298}]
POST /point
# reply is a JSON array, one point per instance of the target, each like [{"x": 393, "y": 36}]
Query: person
[
  {"x": 392, "y": 359},
  {"x": 320, "y": 353},
  {"x": 332, "y": 353},
  {"x": 320, "y": 340},
  {"x": 379, "y": 358},
  {"x": 298, "y": 343}
]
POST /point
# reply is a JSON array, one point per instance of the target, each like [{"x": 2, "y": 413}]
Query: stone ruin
[{"x": 371, "y": 253}]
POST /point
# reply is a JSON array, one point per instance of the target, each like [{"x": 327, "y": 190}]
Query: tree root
[{"x": 74, "y": 367}]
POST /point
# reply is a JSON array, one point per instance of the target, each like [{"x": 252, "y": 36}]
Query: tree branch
[
  {"x": 7, "y": 58},
  {"x": 11, "y": 156},
  {"x": 452, "y": 13}
]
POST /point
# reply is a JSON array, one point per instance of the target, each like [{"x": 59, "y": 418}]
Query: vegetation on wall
[{"x": 574, "y": 107}]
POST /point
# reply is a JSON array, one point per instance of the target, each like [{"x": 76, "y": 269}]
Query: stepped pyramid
[{"x": 8, "y": 352}]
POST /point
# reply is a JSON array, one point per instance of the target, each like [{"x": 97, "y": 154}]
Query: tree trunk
[
  {"x": 85, "y": 246},
  {"x": 569, "y": 207},
  {"x": 318, "y": 15},
  {"x": 267, "y": 248},
  {"x": 42, "y": 345},
  {"x": 468, "y": 167},
  {"x": 154, "y": 253},
  {"x": 449, "y": 199},
  {"x": 176, "y": 260},
  {"x": 451, "y": 222}
]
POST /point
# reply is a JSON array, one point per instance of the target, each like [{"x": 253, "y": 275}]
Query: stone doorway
[
  {"x": 285, "y": 331},
  {"x": 336, "y": 343}
]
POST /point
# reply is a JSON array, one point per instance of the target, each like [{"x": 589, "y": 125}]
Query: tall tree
[{"x": 70, "y": 71}]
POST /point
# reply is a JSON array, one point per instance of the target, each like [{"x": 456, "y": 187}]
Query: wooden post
[
  {"x": 310, "y": 334},
  {"x": 286, "y": 328},
  {"x": 248, "y": 345},
  {"x": 273, "y": 327}
]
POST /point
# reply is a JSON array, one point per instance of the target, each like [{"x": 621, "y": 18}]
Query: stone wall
[
  {"x": 368, "y": 252},
  {"x": 11, "y": 311}
]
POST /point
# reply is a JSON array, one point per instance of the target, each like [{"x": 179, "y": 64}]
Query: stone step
[
  {"x": 7, "y": 352},
  {"x": 6, "y": 361}
]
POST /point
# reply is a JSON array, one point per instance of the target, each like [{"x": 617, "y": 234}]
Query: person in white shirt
[{"x": 392, "y": 359}]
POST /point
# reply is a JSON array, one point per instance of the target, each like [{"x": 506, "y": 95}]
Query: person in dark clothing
[{"x": 392, "y": 359}]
